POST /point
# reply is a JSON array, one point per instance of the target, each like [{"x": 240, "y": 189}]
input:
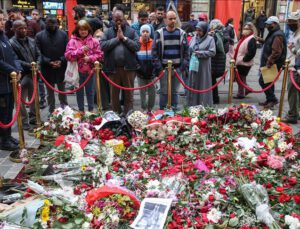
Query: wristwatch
[{"x": 125, "y": 38}]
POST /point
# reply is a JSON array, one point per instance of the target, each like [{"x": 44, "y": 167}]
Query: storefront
[{"x": 25, "y": 5}]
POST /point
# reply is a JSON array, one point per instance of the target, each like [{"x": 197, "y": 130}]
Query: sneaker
[
  {"x": 263, "y": 103},
  {"x": 271, "y": 105},
  {"x": 289, "y": 120},
  {"x": 9, "y": 146},
  {"x": 26, "y": 126},
  {"x": 43, "y": 105}
]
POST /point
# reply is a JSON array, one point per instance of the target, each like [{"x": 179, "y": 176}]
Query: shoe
[
  {"x": 13, "y": 140},
  {"x": 9, "y": 146},
  {"x": 26, "y": 126},
  {"x": 238, "y": 97},
  {"x": 43, "y": 105},
  {"x": 271, "y": 105},
  {"x": 263, "y": 103},
  {"x": 32, "y": 121},
  {"x": 247, "y": 93},
  {"x": 289, "y": 120}
]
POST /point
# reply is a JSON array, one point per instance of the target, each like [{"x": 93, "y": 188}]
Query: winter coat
[
  {"x": 52, "y": 47},
  {"x": 144, "y": 57},
  {"x": 109, "y": 42},
  {"x": 8, "y": 64},
  {"x": 218, "y": 62},
  {"x": 260, "y": 21},
  {"x": 274, "y": 55},
  {"x": 246, "y": 52},
  {"x": 230, "y": 30},
  {"x": 75, "y": 52},
  {"x": 24, "y": 57}
]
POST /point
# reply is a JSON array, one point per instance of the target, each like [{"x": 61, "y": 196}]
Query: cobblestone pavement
[{"x": 9, "y": 169}]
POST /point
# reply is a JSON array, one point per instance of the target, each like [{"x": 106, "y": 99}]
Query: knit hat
[{"x": 145, "y": 27}]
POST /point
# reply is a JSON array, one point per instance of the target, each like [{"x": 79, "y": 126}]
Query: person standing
[
  {"x": 120, "y": 44},
  {"x": 145, "y": 72},
  {"x": 8, "y": 64},
  {"x": 260, "y": 24},
  {"x": 27, "y": 52},
  {"x": 244, "y": 56},
  {"x": 293, "y": 22},
  {"x": 232, "y": 36},
  {"x": 52, "y": 43},
  {"x": 84, "y": 49},
  {"x": 203, "y": 47},
  {"x": 152, "y": 18},
  {"x": 159, "y": 23},
  {"x": 249, "y": 15},
  {"x": 170, "y": 43},
  {"x": 142, "y": 20},
  {"x": 193, "y": 21},
  {"x": 274, "y": 52},
  {"x": 35, "y": 15}
]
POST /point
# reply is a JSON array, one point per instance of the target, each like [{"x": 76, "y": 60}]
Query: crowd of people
[{"x": 198, "y": 53}]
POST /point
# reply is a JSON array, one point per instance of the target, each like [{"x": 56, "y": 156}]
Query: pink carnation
[
  {"x": 275, "y": 162},
  {"x": 200, "y": 165}
]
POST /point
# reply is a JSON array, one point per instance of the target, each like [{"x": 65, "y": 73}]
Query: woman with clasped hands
[
  {"x": 84, "y": 49},
  {"x": 202, "y": 47}
]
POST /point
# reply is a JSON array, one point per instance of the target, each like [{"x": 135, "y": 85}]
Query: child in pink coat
[{"x": 84, "y": 49}]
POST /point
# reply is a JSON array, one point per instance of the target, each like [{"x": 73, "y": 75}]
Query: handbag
[
  {"x": 194, "y": 63},
  {"x": 71, "y": 74}
]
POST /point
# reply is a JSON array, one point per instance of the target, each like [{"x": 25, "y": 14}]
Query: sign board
[{"x": 24, "y": 4}]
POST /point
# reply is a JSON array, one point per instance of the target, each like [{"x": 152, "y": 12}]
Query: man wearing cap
[
  {"x": 293, "y": 52},
  {"x": 274, "y": 52},
  {"x": 203, "y": 17}
]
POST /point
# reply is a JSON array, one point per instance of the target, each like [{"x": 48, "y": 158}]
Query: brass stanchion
[
  {"x": 98, "y": 91},
  {"x": 170, "y": 84},
  {"x": 285, "y": 75},
  {"x": 232, "y": 62},
  {"x": 37, "y": 99},
  {"x": 14, "y": 81}
]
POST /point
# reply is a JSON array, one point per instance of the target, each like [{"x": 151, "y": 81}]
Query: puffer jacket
[
  {"x": 218, "y": 62},
  {"x": 75, "y": 52},
  {"x": 8, "y": 64}
]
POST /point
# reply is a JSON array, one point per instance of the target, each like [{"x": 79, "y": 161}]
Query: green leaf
[
  {"x": 68, "y": 226},
  {"x": 233, "y": 222},
  {"x": 79, "y": 220}
]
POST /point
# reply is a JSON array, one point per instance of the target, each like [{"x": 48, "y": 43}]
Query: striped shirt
[{"x": 171, "y": 46}]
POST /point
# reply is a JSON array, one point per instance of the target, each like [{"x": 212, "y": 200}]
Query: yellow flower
[
  {"x": 47, "y": 202},
  {"x": 83, "y": 168},
  {"x": 270, "y": 144},
  {"x": 45, "y": 214},
  {"x": 278, "y": 119}
]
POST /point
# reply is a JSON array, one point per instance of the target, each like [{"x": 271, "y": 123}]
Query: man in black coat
[
  {"x": 52, "y": 43},
  {"x": 27, "y": 52},
  {"x": 8, "y": 64}
]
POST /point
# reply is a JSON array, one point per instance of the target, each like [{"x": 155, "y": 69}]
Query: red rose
[
  {"x": 232, "y": 215},
  {"x": 63, "y": 220},
  {"x": 211, "y": 198},
  {"x": 296, "y": 199},
  {"x": 268, "y": 185},
  {"x": 284, "y": 198},
  {"x": 204, "y": 209},
  {"x": 222, "y": 190},
  {"x": 292, "y": 181},
  {"x": 279, "y": 189},
  {"x": 77, "y": 191},
  {"x": 84, "y": 186}
]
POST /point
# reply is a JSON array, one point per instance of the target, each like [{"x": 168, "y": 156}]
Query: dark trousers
[
  {"x": 42, "y": 90},
  {"x": 270, "y": 93},
  {"x": 51, "y": 97},
  {"x": 216, "y": 97},
  {"x": 6, "y": 111},
  {"x": 260, "y": 32},
  {"x": 125, "y": 79}
]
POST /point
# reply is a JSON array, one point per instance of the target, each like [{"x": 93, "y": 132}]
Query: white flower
[
  {"x": 254, "y": 125},
  {"x": 76, "y": 150},
  {"x": 153, "y": 185},
  {"x": 293, "y": 223},
  {"x": 214, "y": 215},
  {"x": 86, "y": 225},
  {"x": 282, "y": 146}
]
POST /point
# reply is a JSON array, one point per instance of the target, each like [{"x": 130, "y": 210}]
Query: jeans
[
  {"x": 6, "y": 111},
  {"x": 51, "y": 97},
  {"x": 42, "y": 92},
  {"x": 27, "y": 91},
  {"x": 270, "y": 93},
  {"x": 293, "y": 98},
  {"x": 147, "y": 104},
  {"x": 89, "y": 91}
]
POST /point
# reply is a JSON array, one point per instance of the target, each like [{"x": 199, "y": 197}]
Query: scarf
[{"x": 239, "y": 45}]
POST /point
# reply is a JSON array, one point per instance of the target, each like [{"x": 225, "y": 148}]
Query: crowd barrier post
[
  {"x": 283, "y": 87},
  {"x": 15, "y": 83},
  {"x": 98, "y": 69},
  {"x": 37, "y": 99},
  {"x": 232, "y": 66},
  {"x": 170, "y": 63}
]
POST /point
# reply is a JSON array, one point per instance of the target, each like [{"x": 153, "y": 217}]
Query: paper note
[{"x": 269, "y": 74}]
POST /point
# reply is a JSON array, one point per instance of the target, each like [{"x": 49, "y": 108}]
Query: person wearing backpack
[{"x": 145, "y": 71}]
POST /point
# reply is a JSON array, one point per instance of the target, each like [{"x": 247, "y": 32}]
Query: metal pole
[
  {"x": 170, "y": 84},
  {"x": 285, "y": 75},
  {"x": 37, "y": 99},
  {"x": 232, "y": 62},
  {"x": 15, "y": 83},
  {"x": 98, "y": 69}
]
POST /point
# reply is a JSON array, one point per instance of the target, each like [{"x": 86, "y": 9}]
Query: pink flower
[
  {"x": 275, "y": 162},
  {"x": 200, "y": 165}
]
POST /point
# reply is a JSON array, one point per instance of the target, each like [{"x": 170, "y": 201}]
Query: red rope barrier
[
  {"x": 133, "y": 88},
  {"x": 34, "y": 92},
  {"x": 293, "y": 80},
  {"x": 251, "y": 89},
  {"x": 18, "y": 104},
  {"x": 200, "y": 91},
  {"x": 67, "y": 92}
]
